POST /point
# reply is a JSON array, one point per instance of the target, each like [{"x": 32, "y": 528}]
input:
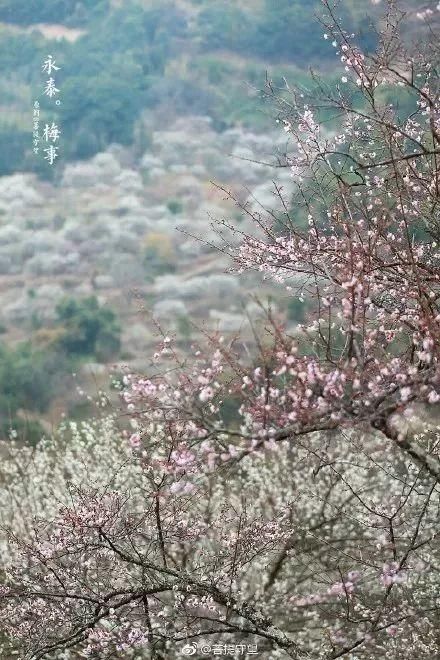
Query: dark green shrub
[{"x": 88, "y": 328}]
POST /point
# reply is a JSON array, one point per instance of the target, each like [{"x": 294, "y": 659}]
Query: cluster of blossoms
[
  {"x": 282, "y": 541},
  {"x": 392, "y": 574},
  {"x": 128, "y": 639},
  {"x": 427, "y": 13},
  {"x": 368, "y": 257},
  {"x": 173, "y": 417}
]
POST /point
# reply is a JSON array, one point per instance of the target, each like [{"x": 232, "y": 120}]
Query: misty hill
[{"x": 120, "y": 60}]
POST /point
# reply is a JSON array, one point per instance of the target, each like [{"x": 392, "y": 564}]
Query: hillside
[
  {"x": 118, "y": 60},
  {"x": 157, "y": 101}
]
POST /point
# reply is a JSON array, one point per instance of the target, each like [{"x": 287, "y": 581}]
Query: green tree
[
  {"x": 29, "y": 431},
  {"x": 14, "y": 144},
  {"x": 105, "y": 109},
  {"x": 289, "y": 30},
  {"x": 27, "y": 378},
  {"x": 89, "y": 329},
  {"x": 225, "y": 27},
  {"x": 27, "y": 12}
]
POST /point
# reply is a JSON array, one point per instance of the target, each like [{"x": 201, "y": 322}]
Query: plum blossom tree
[
  {"x": 304, "y": 522},
  {"x": 318, "y": 549}
]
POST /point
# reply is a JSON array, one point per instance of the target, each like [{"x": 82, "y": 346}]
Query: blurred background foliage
[
  {"x": 32, "y": 372},
  {"x": 169, "y": 57},
  {"x": 130, "y": 69}
]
